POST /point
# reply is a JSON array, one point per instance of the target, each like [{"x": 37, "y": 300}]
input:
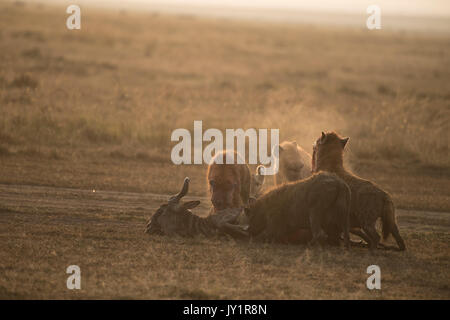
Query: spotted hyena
[
  {"x": 307, "y": 210},
  {"x": 229, "y": 184},
  {"x": 369, "y": 202},
  {"x": 294, "y": 163}
]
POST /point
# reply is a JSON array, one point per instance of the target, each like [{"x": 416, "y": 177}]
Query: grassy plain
[{"x": 94, "y": 109}]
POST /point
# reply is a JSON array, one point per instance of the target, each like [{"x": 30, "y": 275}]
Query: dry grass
[
  {"x": 94, "y": 109},
  {"x": 44, "y": 230},
  {"x": 133, "y": 79},
  {"x": 113, "y": 93}
]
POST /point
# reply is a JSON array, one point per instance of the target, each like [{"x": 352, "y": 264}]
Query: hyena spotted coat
[
  {"x": 304, "y": 210},
  {"x": 369, "y": 202}
]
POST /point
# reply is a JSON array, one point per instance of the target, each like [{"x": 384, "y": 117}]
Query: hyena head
[
  {"x": 224, "y": 188},
  {"x": 257, "y": 182},
  {"x": 291, "y": 163},
  {"x": 224, "y": 183},
  {"x": 328, "y": 152},
  {"x": 171, "y": 218}
]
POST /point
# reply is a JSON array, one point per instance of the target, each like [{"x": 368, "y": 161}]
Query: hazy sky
[
  {"x": 409, "y": 15},
  {"x": 394, "y": 7}
]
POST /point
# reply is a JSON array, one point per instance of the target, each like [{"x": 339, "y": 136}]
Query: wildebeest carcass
[
  {"x": 317, "y": 206},
  {"x": 176, "y": 218}
]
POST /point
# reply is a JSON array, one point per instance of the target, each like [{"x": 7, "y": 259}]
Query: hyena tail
[{"x": 390, "y": 224}]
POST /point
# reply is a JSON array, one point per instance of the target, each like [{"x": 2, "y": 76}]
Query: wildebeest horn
[{"x": 183, "y": 191}]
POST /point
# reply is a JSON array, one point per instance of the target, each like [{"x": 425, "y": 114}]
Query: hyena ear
[
  {"x": 190, "y": 204},
  {"x": 323, "y": 138},
  {"x": 280, "y": 148},
  {"x": 344, "y": 142}
]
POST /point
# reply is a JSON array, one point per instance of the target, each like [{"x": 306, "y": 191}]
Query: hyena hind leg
[
  {"x": 398, "y": 238},
  {"x": 373, "y": 235},
  {"x": 333, "y": 235},
  {"x": 316, "y": 229},
  {"x": 346, "y": 234},
  {"x": 358, "y": 232}
]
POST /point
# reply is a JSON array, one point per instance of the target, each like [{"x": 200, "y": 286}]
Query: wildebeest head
[
  {"x": 171, "y": 218},
  {"x": 328, "y": 151}
]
